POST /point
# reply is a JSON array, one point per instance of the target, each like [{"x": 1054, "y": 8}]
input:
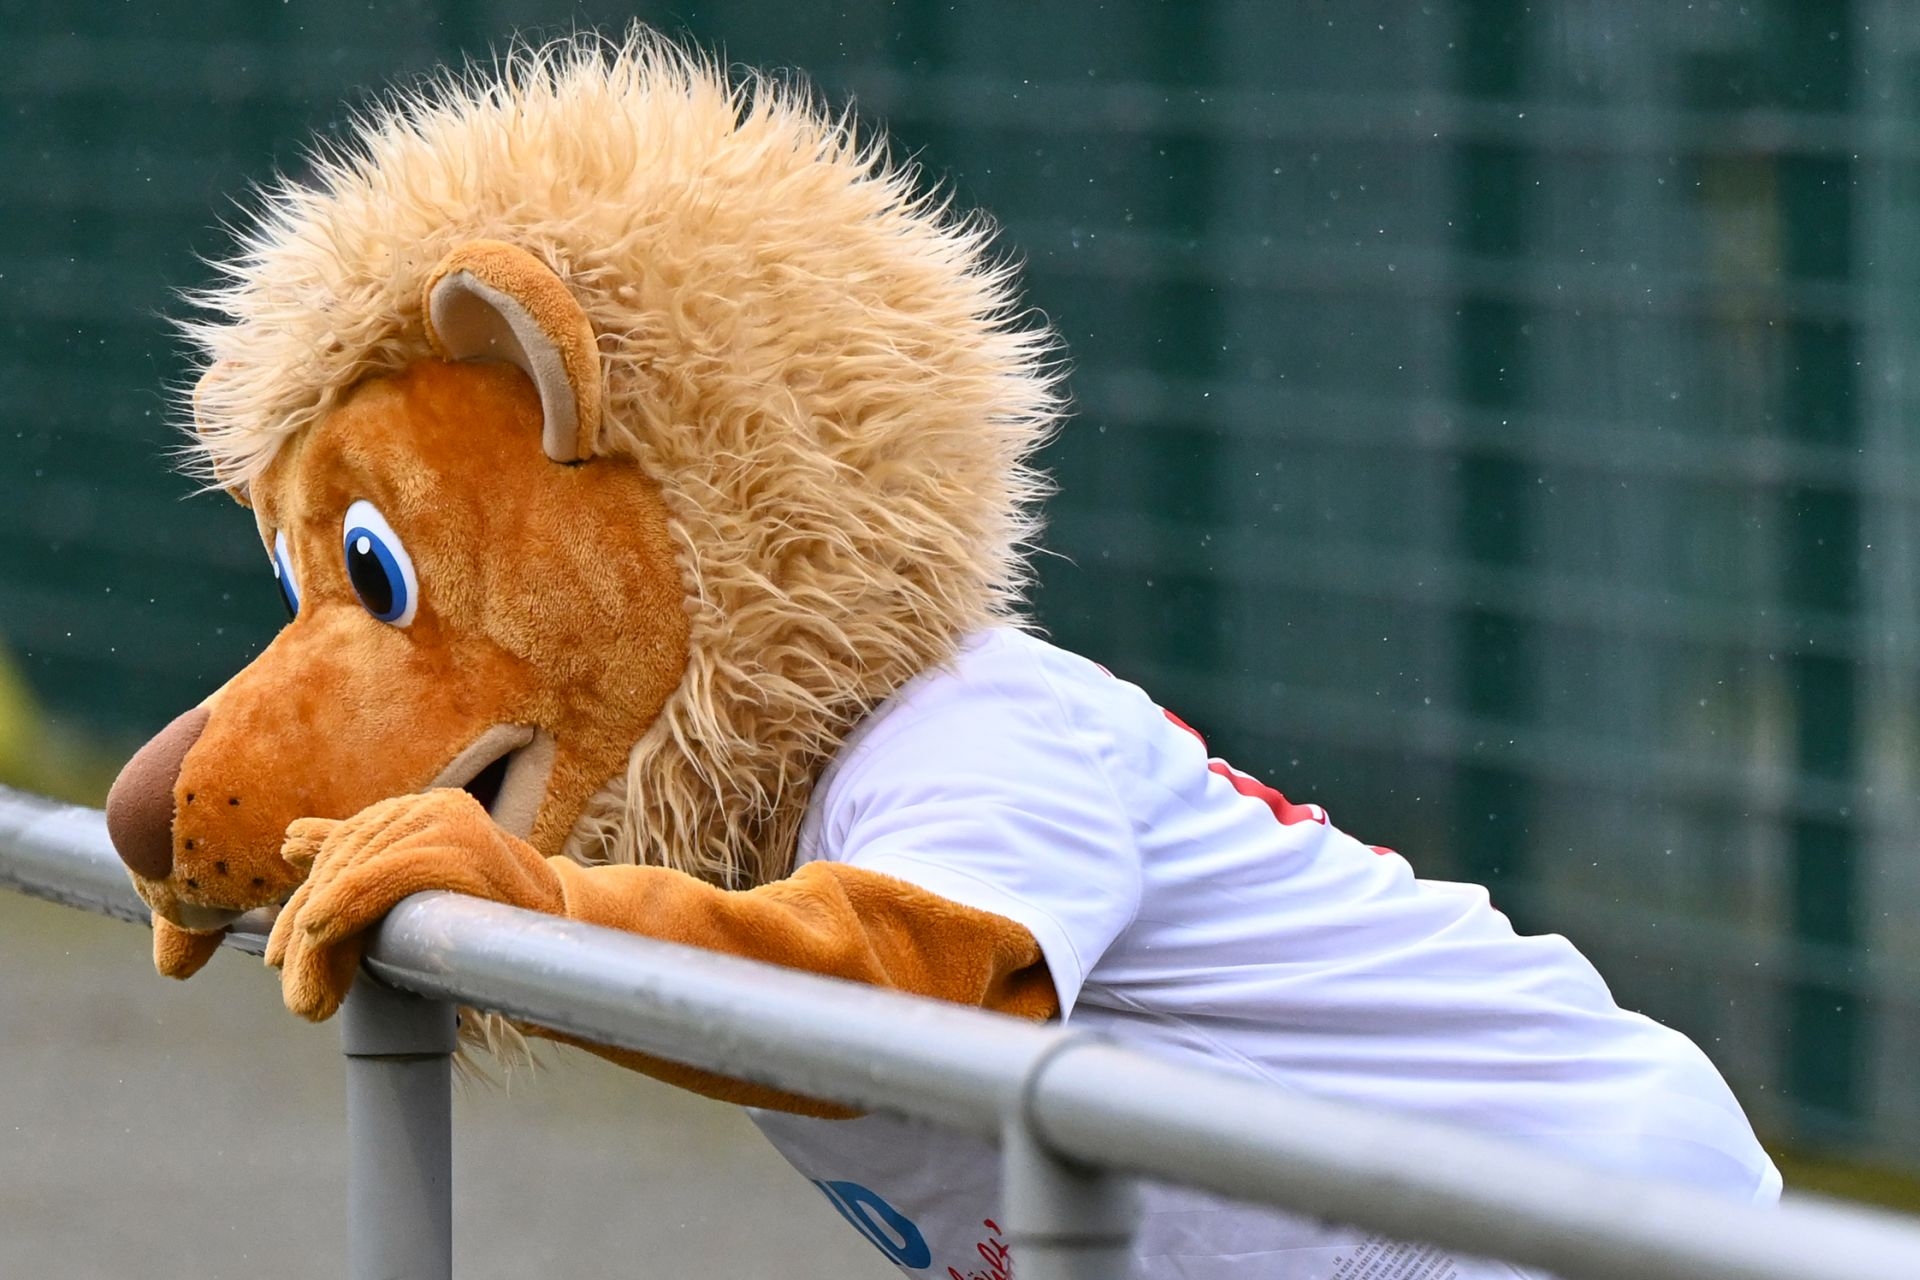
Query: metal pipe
[
  {"x": 1417, "y": 1180},
  {"x": 1065, "y": 1220},
  {"x": 1089, "y": 1103},
  {"x": 399, "y": 1052},
  {"x": 60, "y": 852}
]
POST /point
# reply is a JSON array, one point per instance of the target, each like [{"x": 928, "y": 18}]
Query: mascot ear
[
  {"x": 489, "y": 300},
  {"x": 208, "y": 380}
]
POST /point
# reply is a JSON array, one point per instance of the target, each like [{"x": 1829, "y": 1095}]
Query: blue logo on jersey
[{"x": 891, "y": 1231}]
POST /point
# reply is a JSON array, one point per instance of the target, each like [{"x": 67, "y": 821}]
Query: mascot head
[{"x": 619, "y": 435}]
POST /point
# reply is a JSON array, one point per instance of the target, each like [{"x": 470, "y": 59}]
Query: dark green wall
[{"x": 1491, "y": 422}]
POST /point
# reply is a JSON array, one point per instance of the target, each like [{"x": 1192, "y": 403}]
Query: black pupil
[
  {"x": 286, "y": 592},
  {"x": 369, "y": 576}
]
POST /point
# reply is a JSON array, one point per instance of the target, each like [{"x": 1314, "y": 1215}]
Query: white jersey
[{"x": 1187, "y": 910}]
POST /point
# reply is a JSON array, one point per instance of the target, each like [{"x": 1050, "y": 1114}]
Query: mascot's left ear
[{"x": 493, "y": 301}]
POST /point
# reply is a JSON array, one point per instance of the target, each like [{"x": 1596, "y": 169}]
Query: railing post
[
  {"x": 1064, "y": 1220},
  {"x": 399, "y": 1051}
]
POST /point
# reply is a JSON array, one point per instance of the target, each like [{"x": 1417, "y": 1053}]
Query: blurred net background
[{"x": 1493, "y": 422}]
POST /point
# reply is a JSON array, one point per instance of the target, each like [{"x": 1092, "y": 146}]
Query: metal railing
[{"x": 1075, "y": 1116}]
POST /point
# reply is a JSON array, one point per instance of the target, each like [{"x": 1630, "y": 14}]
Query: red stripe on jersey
[
  {"x": 1284, "y": 809},
  {"x": 1182, "y": 724}
]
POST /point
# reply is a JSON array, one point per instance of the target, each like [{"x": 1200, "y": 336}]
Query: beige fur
[{"x": 824, "y": 369}]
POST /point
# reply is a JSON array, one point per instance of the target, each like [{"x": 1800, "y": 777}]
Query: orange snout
[
  {"x": 307, "y": 730},
  {"x": 161, "y": 829}
]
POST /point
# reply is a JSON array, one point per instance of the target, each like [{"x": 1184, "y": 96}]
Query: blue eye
[
  {"x": 378, "y": 566},
  {"x": 283, "y": 575}
]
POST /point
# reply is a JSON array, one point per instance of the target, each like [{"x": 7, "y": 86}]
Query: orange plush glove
[{"x": 361, "y": 868}]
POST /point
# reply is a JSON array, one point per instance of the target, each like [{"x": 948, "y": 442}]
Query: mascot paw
[
  {"x": 178, "y": 953},
  {"x": 359, "y": 869}
]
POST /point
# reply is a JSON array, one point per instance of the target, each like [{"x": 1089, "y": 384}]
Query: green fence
[{"x": 1491, "y": 423}]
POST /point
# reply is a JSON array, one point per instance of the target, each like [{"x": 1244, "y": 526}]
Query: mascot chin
[{"x": 644, "y": 464}]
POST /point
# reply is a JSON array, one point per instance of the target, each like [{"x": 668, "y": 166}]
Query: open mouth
[
  {"x": 506, "y": 769},
  {"x": 485, "y": 785}
]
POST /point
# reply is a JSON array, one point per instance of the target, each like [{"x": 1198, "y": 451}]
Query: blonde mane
[{"x": 823, "y": 367}]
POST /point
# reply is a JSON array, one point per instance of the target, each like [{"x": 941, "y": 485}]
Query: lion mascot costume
[{"x": 645, "y": 465}]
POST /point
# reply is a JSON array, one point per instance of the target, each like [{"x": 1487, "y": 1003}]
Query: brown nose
[{"x": 140, "y": 806}]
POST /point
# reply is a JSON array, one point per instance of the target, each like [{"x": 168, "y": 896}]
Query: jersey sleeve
[{"x": 997, "y": 793}]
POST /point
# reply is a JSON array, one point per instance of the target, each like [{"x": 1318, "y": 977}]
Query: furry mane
[{"x": 823, "y": 367}]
